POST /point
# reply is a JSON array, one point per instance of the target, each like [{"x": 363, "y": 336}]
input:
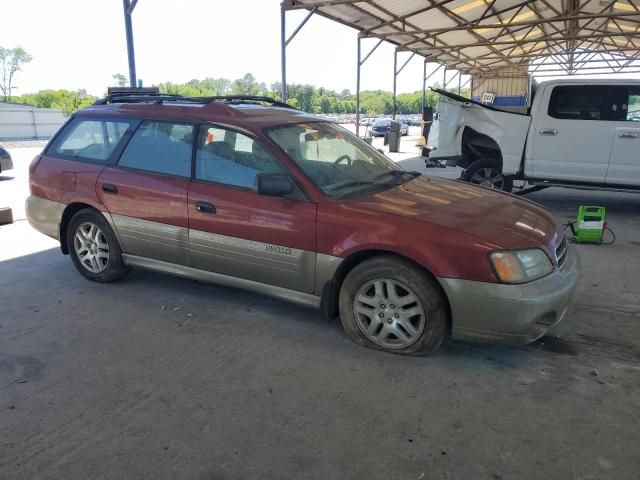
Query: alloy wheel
[
  {"x": 91, "y": 247},
  {"x": 488, "y": 177},
  {"x": 389, "y": 313}
]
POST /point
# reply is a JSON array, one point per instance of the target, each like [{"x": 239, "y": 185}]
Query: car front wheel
[
  {"x": 94, "y": 248},
  {"x": 390, "y": 304}
]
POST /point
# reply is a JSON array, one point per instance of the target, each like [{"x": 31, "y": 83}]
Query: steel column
[
  {"x": 128, "y": 10},
  {"x": 358, "y": 89},
  {"x": 285, "y": 41},
  {"x": 283, "y": 56},
  {"x": 395, "y": 81},
  {"x": 424, "y": 85},
  {"x": 444, "y": 78},
  {"x": 396, "y": 72},
  {"x": 360, "y": 62}
]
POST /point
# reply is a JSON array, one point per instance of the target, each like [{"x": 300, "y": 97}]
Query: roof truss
[{"x": 477, "y": 36}]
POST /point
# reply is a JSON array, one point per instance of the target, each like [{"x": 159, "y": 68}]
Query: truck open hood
[
  {"x": 461, "y": 99},
  {"x": 503, "y": 220}
]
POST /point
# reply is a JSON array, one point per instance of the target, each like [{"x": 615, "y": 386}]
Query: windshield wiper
[
  {"x": 397, "y": 174},
  {"x": 353, "y": 183}
]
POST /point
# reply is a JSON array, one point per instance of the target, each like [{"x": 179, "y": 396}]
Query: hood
[{"x": 501, "y": 219}]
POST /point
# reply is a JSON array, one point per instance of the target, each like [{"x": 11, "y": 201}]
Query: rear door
[
  {"x": 234, "y": 230},
  {"x": 572, "y": 137},
  {"x": 624, "y": 168},
  {"x": 146, "y": 192}
]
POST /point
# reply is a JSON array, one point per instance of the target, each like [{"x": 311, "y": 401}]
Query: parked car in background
[
  {"x": 273, "y": 200},
  {"x": 381, "y": 126},
  {"x": 5, "y": 160},
  {"x": 578, "y": 133}
]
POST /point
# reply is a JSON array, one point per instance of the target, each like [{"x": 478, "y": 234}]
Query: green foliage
[
  {"x": 68, "y": 101},
  {"x": 306, "y": 97},
  {"x": 11, "y": 61}
]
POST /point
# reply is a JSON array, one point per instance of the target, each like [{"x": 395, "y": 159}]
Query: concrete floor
[{"x": 160, "y": 377}]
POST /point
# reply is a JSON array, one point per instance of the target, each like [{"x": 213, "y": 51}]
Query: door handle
[
  {"x": 549, "y": 131},
  {"x": 205, "y": 207},
  {"x": 109, "y": 188},
  {"x": 629, "y": 134}
]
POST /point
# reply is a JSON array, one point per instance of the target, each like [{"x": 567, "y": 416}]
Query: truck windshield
[{"x": 338, "y": 162}]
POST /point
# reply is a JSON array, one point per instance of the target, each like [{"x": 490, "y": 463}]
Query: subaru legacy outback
[{"x": 252, "y": 193}]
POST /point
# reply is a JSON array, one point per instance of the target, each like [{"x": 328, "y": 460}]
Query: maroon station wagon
[{"x": 252, "y": 193}]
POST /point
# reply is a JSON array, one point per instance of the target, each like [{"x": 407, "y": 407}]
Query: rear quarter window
[
  {"x": 579, "y": 102},
  {"x": 92, "y": 140}
]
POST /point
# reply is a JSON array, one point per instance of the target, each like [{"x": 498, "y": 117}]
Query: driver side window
[{"x": 231, "y": 158}]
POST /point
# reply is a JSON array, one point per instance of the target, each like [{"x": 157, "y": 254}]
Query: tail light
[{"x": 34, "y": 163}]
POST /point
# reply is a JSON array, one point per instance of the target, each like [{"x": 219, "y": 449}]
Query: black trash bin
[{"x": 394, "y": 136}]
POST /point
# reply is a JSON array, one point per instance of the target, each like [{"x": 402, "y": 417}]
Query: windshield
[
  {"x": 338, "y": 162},
  {"x": 381, "y": 123}
]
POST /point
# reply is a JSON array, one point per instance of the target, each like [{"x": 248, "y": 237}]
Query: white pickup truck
[{"x": 577, "y": 133}]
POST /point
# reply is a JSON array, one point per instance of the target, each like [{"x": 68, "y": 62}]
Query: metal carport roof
[{"x": 478, "y": 36}]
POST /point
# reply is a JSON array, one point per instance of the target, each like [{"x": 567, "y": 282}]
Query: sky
[{"x": 81, "y": 44}]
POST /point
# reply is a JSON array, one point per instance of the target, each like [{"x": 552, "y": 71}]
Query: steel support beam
[
  {"x": 360, "y": 62},
  {"x": 284, "y": 42},
  {"x": 396, "y": 72},
  {"x": 395, "y": 82},
  {"x": 128, "y": 7}
]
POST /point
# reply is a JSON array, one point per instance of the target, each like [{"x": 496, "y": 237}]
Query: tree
[
  {"x": 120, "y": 79},
  {"x": 11, "y": 61},
  {"x": 247, "y": 85}
]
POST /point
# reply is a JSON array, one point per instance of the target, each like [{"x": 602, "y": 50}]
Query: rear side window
[
  {"x": 160, "y": 147},
  {"x": 92, "y": 140},
  {"x": 579, "y": 102}
]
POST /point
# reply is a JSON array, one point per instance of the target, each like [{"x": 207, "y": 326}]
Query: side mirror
[{"x": 273, "y": 184}]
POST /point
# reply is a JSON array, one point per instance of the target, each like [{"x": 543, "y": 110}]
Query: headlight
[{"x": 520, "y": 266}]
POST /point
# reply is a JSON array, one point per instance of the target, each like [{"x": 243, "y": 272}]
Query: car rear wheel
[
  {"x": 94, "y": 248},
  {"x": 486, "y": 172},
  {"x": 390, "y": 304}
]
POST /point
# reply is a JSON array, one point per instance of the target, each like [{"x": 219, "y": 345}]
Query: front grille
[{"x": 561, "y": 250}]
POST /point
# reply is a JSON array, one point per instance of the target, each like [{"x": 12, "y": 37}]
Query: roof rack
[{"x": 160, "y": 98}]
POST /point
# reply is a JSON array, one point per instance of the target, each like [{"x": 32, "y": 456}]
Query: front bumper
[{"x": 511, "y": 314}]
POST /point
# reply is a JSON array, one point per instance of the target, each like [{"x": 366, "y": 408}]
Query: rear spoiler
[{"x": 461, "y": 99}]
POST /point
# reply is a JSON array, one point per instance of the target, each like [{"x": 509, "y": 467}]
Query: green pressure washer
[{"x": 590, "y": 226}]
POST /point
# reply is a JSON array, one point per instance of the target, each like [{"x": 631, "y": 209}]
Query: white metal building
[{"x": 24, "y": 122}]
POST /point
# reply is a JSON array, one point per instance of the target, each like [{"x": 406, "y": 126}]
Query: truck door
[
  {"x": 572, "y": 137},
  {"x": 624, "y": 167}
]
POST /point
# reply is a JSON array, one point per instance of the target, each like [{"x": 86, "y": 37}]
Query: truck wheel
[
  {"x": 390, "y": 304},
  {"x": 486, "y": 172}
]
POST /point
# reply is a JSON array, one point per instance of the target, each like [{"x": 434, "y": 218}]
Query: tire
[
  {"x": 478, "y": 173},
  {"x": 97, "y": 241},
  {"x": 412, "y": 327}
]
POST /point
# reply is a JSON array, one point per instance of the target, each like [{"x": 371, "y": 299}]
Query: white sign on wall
[{"x": 488, "y": 98}]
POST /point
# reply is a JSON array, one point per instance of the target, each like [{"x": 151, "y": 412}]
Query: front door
[
  {"x": 624, "y": 168},
  {"x": 146, "y": 192},
  {"x": 238, "y": 232},
  {"x": 572, "y": 138}
]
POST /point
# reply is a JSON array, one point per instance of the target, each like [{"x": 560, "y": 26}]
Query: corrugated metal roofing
[{"x": 477, "y": 36}]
